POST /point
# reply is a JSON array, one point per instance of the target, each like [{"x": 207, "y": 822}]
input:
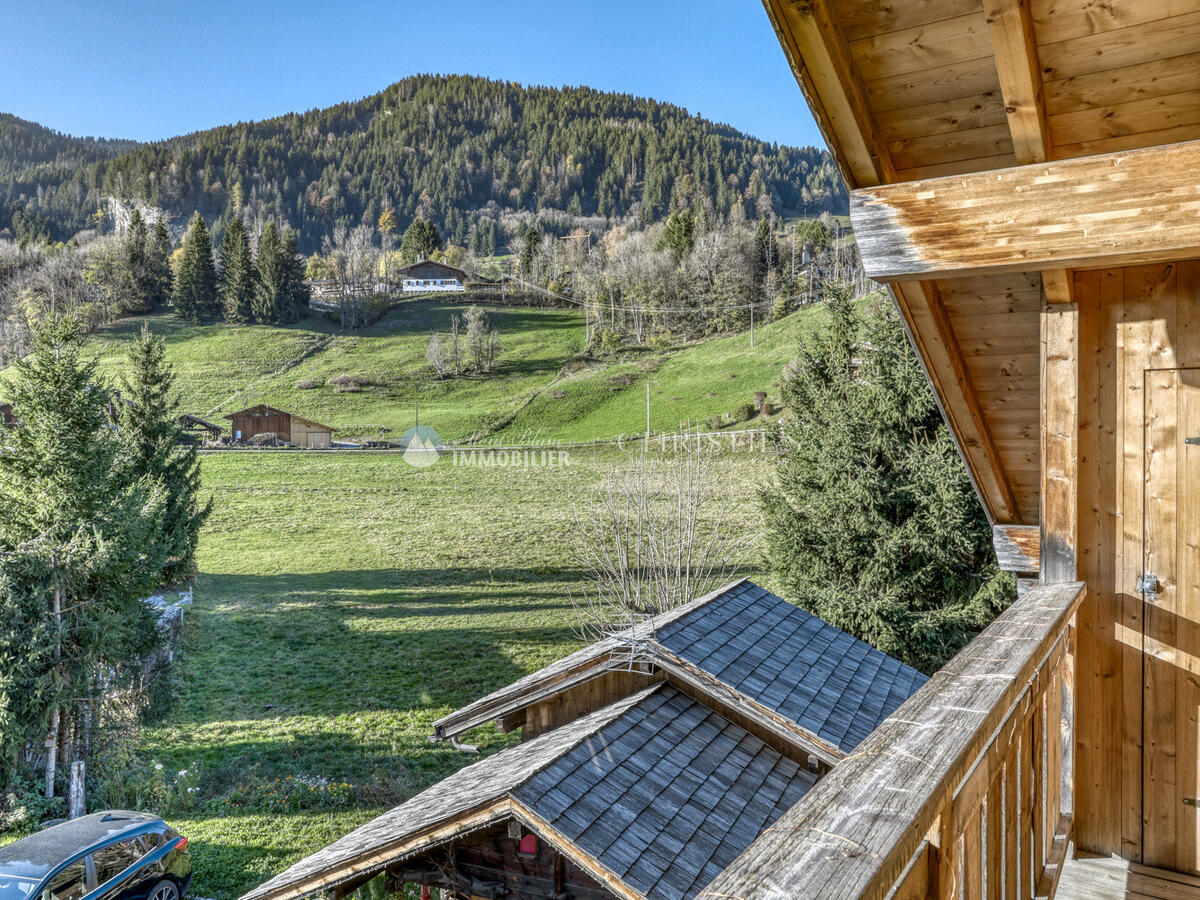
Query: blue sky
[{"x": 147, "y": 70}]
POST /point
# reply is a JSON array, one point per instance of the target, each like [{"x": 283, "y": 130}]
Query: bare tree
[
  {"x": 353, "y": 257},
  {"x": 455, "y": 349},
  {"x": 436, "y": 355},
  {"x": 477, "y": 338},
  {"x": 653, "y": 535}
]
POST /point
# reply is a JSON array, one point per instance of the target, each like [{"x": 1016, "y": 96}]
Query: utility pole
[
  {"x": 418, "y": 405},
  {"x": 646, "y": 441},
  {"x": 751, "y": 326}
]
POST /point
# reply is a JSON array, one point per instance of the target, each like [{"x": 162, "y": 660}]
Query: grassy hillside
[
  {"x": 541, "y": 389},
  {"x": 345, "y": 603}
]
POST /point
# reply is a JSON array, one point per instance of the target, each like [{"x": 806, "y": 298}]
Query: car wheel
[{"x": 164, "y": 890}]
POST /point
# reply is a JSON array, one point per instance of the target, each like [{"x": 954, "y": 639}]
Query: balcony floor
[{"x": 1104, "y": 878}]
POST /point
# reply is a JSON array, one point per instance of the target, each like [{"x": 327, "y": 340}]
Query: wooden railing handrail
[{"x": 856, "y": 832}]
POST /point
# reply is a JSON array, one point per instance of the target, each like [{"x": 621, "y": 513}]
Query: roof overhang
[{"x": 992, "y": 148}]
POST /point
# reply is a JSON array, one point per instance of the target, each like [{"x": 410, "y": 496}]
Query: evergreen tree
[
  {"x": 766, "y": 251},
  {"x": 873, "y": 524},
  {"x": 271, "y": 283},
  {"x": 294, "y": 289},
  {"x": 420, "y": 241},
  {"x": 158, "y": 263},
  {"x": 237, "y": 273},
  {"x": 79, "y": 546},
  {"x": 137, "y": 261},
  {"x": 529, "y": 249},
  {"x": 196, "y": 287},
  {"x": 149, "y": 421},
  {"x": 679, "y": 234}
]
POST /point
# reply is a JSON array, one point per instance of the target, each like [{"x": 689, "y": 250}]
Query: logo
[{"x": 422, "y": 446}]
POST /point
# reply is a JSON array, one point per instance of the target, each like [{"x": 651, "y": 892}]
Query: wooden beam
[
  {"x": 932, "y": 335},
  {"x": 820, "y": 58},
  {"x": 1119, "y": 209},
  {"x": 1018, "y": 548},
  {"x": 1014, "y": 46},
  {"x": 1060, "y": 442}
]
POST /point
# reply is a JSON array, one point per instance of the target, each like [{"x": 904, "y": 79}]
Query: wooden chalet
[
  {"x": 265, "y": 423},
  {"x": 428, "y": 275},
  {"x": 1024, "y": 179},
  {"x": 649, "y": 761}
]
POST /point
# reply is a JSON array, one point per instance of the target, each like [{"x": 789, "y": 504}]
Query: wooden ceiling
[{"x": 915, "y": 89}]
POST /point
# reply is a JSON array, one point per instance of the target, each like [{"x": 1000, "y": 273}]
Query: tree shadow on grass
[{"x": 335, "y": 643}]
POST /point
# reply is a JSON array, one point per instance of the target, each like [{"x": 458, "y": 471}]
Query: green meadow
[
  {"x": 346, "y": 602},
  {"x": 545, "y": 387}
]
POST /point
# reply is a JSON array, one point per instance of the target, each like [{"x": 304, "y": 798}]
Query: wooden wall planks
[{"x": 1133, "y": 321}]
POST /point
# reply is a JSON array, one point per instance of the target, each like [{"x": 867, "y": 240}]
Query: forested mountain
[
  {"x": 35, "y": 162},
  {"x": 454, "y": 149}
]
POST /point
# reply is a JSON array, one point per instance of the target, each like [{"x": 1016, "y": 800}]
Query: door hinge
[
  {"x": 1191, "y": 801},
  {"x": 1147, "y": 583},
  {"x": 1192, "y": 440}
]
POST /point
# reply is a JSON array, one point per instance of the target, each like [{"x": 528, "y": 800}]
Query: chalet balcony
[{"x": 966, "y": 791}]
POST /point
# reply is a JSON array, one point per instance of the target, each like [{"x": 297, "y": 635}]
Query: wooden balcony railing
[{"x": 964, "y": 792}]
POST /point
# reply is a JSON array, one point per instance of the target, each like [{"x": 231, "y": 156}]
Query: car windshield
[{"x": 14, "y": 887}]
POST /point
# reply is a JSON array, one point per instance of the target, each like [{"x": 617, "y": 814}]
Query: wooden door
[{"x": 1171, "y": 623}]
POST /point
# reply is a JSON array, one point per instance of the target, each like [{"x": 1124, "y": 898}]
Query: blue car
[{"x": 112, "y": 855}]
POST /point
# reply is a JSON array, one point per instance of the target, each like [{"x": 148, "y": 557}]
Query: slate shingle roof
[
  {"x": 663, "y": 791},
  {"x": 827, "y": 682},
  {"x": 666, "y": 795}
]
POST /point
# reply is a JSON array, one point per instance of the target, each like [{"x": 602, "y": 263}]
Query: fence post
[{"x": 78, "y": 804}]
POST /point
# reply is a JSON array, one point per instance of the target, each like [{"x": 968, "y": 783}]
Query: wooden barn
[
  {"x": 249, "y": 424},
  {"x": 649, "y": 761},
  {"x": 1025, "y": 180},
  {"x": 427, "y": 275}
]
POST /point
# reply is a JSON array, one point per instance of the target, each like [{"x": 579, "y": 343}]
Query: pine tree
[
  {"x": 196, "y": 288},
  {"x": 137, "y": 260},
  {"x": 158, "y": 263},
  {"x": 420, "y": 241},
  {"x": 271, "y": 269},
  {"x": 872, "y": 521},
  {"x": 237, "y": 274},
  {"x": 295, "y": 291},
  {"x": 679, "y": 234},
  {"x": 79, "y": 543},
  {"x": 149, "y": 422}
]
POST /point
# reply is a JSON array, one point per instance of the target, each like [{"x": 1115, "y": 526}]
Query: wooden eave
[
  {"x": 346, "y": 875},
  {"x": 718, "y": 696},
  {"x": 936, "y": 96}
]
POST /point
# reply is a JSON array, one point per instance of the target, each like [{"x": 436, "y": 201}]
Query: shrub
[
  {"x": 307, "y": 384},
  {"x": 558, "y": 395},
  {"x": 23, "y": 806},
  {"x": 743, "y": 413},
  {"x": 760, "y": 397},
  {"x": 290, "y": 793},
  {"x": 715, "y": 423},
  {"x": 610, "y": 340},
  {"x": 622, "y": 379},
  {"x": 343, "y": 380},
  {"x": 768, "y": 408},
  {"x": 347, "y": 388}
]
